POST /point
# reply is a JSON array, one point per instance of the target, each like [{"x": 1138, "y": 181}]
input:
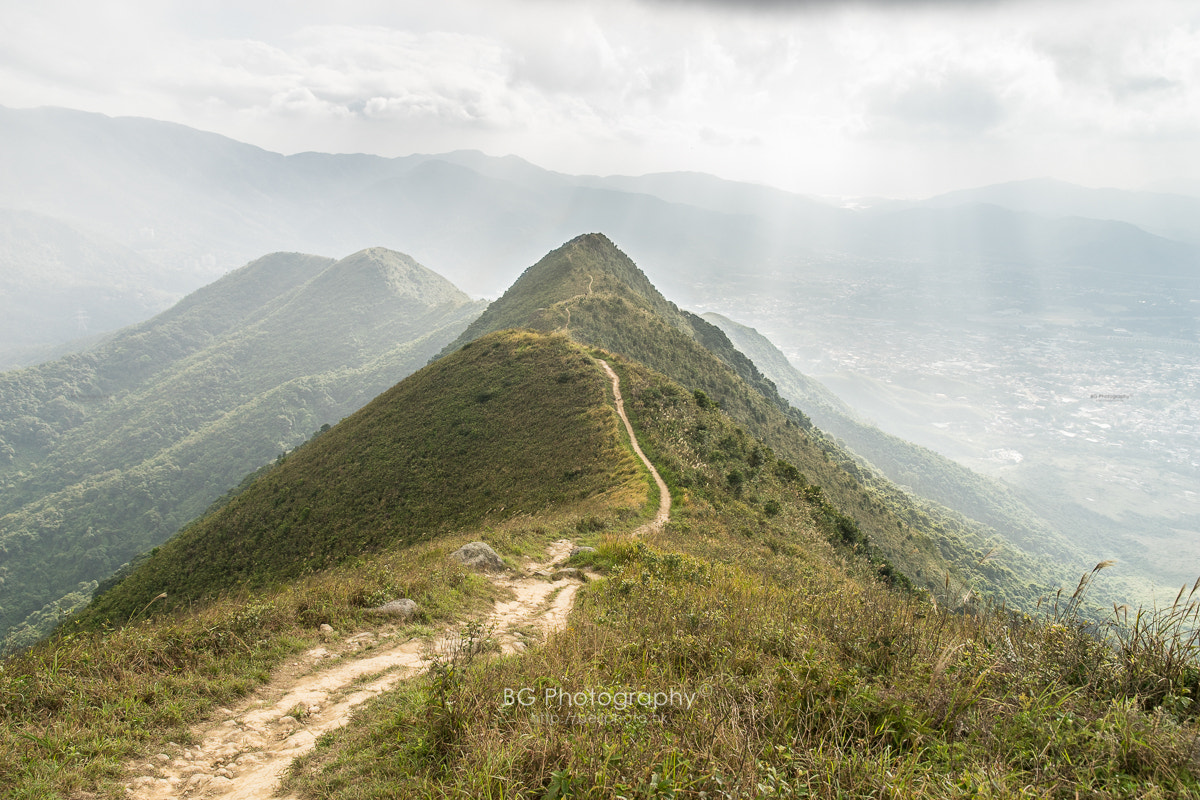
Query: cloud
[
  {"x": 371, "y": 74},
  {"x": 726, "y": 138},
  {"x": 935, "y": 106},
  {"x": 820, "y": 95},
  {"x": 1123, "y": 75}
]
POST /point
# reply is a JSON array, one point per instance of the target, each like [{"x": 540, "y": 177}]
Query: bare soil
[{"x": 664, "y": 495}]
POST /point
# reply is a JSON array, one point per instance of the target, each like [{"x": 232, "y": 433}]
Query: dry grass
[{"x": 802, "y": 683}]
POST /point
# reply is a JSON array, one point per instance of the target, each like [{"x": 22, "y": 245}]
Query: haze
[{"x": 878, "y": 98}]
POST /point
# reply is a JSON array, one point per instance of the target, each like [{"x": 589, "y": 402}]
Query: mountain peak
[
  {"x": 587, "y": 265},
  {"x": 377, "y": 271}
]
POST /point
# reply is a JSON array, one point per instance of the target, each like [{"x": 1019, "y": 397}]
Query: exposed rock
[
  {"x": 478, "y": 555},
  {"x": 403, "y": 608},
  {"x": 568, "y": 573},
  {"x": 581, "y": 549}
]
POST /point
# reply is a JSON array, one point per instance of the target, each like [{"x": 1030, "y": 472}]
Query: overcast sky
[{"x": 895, "y": 98}]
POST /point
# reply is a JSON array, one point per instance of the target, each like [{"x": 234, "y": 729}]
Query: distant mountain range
[
  {"x": 195, "y": 205},
  {"x": 106, "y": 453},
  {"x": 59, "y": 284},
  {"x": 1172, "y": 216}
]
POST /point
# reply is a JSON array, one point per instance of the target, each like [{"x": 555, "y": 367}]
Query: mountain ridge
[
  {"x": 553, "y": 295},
  {"x": 107, "y": 453}
]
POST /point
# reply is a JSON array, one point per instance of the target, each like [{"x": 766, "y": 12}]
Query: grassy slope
[
  {"x": 509, "y": 425},
  {"x": 623, "y": 313},
  {"x": 116, "y": 448},
  {"x": 810, "y": 676}
]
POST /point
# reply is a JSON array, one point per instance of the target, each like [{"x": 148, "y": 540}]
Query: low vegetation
[
  {"x": 789, "y": 682},
  {"x": 749, "y": 652},
  {"x": 75, "y": 710}
]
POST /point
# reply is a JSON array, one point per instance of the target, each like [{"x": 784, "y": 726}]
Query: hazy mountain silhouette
[{"x": 198, "y": 204}]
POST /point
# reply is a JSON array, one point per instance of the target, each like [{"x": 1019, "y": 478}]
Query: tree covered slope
[{"x": 106, "y": 453}]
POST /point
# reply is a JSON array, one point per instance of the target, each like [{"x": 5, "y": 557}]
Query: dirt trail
[
  {"x": 664, "y": 495},
  {"x": 243, "y": 752}
]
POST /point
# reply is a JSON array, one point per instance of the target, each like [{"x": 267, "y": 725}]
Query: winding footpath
[
  {"x": 241, "y": 753},
  {"x": 664, "y": 495}
]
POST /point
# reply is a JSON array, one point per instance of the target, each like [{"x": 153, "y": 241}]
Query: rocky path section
[
  {"x": 243, "y": 752},
  {"x": 664, "y": 495},
  {"x": 541, "y": 600}
]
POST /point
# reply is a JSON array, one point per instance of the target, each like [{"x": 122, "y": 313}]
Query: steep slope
[
  {"x": 513, "y": 424},
  {"x": 111, "y": 451},
  {"x": 585, "y": 289},
  {"x": 927, "y": 473}
]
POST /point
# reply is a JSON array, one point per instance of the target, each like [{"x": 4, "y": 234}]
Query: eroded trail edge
[{"x": 664, "y": 495}]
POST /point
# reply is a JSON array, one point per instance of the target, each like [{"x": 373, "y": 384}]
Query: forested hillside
[{"x": 108, "y": 452}]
